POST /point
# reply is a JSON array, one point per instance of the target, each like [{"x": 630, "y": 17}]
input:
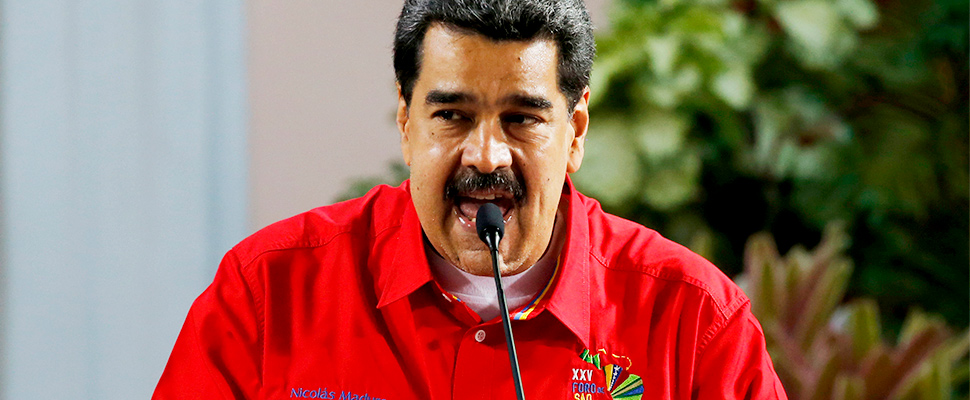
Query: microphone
[{"x": 491, "y": 228}]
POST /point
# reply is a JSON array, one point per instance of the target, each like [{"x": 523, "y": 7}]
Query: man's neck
[{"x": 478, "y": 292}]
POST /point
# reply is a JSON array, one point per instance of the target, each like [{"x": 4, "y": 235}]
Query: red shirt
[{"x": 340, "y": 303}]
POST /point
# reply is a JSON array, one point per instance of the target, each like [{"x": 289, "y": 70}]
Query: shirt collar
[
  {"x": 409, "y": 269},
  {"x": 569, "y": 301}
]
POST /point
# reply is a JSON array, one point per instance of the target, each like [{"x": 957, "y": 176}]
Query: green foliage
[
  {"x": 824, "y": 350},
  {"x": 716, "y": 119}
]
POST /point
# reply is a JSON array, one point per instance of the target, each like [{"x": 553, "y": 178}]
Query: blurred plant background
[
  {"x": 826, "y": 348},
  {"x": 716, "y": 121}
]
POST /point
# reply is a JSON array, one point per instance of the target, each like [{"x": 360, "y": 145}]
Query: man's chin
[
  {"x": 476, "y": 263},
  {"x": 474, "y": 257},
  {"x": 480, "y": 263}
]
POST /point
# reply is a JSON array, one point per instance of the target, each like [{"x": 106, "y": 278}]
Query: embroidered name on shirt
[{"x": 301, "y": 393}]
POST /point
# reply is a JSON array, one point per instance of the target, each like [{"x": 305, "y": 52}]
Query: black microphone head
[{"x": 489, "y": 219}]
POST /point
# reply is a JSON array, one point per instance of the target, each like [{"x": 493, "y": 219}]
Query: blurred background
[{"x": 815, "y": 150}]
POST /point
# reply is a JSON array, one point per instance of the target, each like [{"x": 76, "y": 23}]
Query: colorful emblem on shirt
[{"x": 620, "y": 383}]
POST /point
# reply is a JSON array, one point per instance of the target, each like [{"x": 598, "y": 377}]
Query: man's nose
[{"x": 486, "y": 148}]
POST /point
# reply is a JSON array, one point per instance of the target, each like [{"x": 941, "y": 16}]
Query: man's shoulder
[
  {"x": 622, "y": 246},
  {"x": 367, "y": 216}
]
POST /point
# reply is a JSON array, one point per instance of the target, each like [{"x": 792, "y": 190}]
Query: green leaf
[
  {"x": 849, "y": 387},
  {"x": 668, "y": 91},
  {"x": 796, "y": 135},
  {"x": 791, "y": 308},
  {"x": 673, "y": 185},
  {"x": 862, "y": 13},
  {"x": 660, "y": 134},
  {"x": 698, "y": 20},
  {"x": 879, "y": 373},
  {"x": 813, "y": 23},
  {"x": 760, "y": 257},
  {"x": 863, "y": 328},
  {"x": 827, "y": 375},
  {"x": 735, "y": 86},
  {"x": 958, "y": 346},
  {"x": 819, "y": 36},
  {"x": 616, "y": 174},
  {"x": 917, "y": 324},
  {"x": 702, "y": 243},
  {"x": 920, "y": 343},
  {"x": 663, "y": 51},
  {"x": 821, "y": 301}
]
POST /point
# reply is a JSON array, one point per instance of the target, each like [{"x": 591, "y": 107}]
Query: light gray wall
[
  {"x": 123, "y": 161},
  {"x": 323, "y": 97}
]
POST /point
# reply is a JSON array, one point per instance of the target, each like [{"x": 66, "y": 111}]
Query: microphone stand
[
  {"x": 490, "y": 230},
  {"x": 507, "y": 324}
]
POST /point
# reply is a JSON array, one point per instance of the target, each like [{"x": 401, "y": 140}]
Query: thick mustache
[{"x": 469, "y": 180}]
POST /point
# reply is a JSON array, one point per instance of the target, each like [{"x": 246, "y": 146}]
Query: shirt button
[{"x": 480, "y": 336}]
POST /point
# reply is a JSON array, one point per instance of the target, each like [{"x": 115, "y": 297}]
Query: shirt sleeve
[
  {"x": 735, "y": 364},
  {"x": 217, "y": 353}
]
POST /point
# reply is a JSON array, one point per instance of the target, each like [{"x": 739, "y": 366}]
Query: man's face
[{"x": 487, "y": 123}]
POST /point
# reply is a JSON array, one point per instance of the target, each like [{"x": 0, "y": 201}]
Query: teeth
[{"x": 485, "y": 197}]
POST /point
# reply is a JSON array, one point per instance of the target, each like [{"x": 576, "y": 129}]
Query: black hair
[{"x": 564, "y": 21}]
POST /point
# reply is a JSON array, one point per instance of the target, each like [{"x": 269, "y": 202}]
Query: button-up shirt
[{"x": 340, "y": 303}]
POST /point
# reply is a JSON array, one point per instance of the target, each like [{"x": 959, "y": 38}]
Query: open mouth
[{"x": 467, "y": 205}]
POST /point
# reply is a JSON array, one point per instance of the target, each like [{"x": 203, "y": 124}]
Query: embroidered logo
[{"x": 620, "y": 383}]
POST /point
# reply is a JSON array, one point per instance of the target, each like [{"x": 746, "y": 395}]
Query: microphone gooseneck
[{"x": 491, "y": 228}]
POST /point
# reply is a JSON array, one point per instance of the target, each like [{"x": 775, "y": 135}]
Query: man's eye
[
  {"x": 520, "y": 119},
  {"x": 447, "y": 115}
]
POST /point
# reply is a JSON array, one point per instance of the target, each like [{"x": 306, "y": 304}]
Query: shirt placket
[
  {"x": 482, "y": 363},
  {"x": 482, "y": 367}
]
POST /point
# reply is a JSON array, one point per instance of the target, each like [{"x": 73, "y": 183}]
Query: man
[{"x": 389, "y": 297}]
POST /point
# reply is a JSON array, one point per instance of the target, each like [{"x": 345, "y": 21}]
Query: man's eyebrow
[
  {"x": 445, "y": 97},
  {"x": 529, "y": 101},
  {"x": 437, "y": 97}
]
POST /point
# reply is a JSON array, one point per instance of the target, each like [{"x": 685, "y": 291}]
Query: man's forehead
[
  {"x": 457, "y": 64},
  {"x": 454, "y": 32},
  {"x": 441, "y": 38}
]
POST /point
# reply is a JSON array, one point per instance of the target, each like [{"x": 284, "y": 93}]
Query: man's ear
[
  {"x": 580, "y": 122},
  {"x": 403, "y": 126}
]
